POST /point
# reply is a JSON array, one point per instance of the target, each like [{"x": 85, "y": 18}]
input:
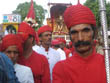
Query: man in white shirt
[
  {"x": 23, "y": 73},
  {"x": 12, "y": 47},
  {"x": 56, "y": 45},
  {"x": 45, "y": 36}
]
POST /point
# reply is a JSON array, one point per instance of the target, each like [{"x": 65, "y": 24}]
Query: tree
[
  {"x": 94, "y": 6},
  {"x": 108, "y": 13},
  {"x": 23, "y": 9}
]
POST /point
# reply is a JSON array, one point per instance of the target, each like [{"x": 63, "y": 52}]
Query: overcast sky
[{"x": 7, "y": 6}]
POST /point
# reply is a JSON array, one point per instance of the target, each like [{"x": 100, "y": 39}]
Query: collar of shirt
[
  {"x": 86, "y": 59},
  {"x": 44, "y": 48}
]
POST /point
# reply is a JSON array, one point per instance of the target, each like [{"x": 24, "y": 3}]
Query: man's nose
[
  {"x": 12, "y": 54},
  {"x": 80, "y": 36},
  {"x": 49, "y": 36}
]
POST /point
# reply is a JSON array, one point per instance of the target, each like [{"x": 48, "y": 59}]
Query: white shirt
[
  {"x": 62, "y": 54},
  {"x": 23, "y": 73},
  {"x": 52, "y": 55},
  {"x": 35, "y": 47}
]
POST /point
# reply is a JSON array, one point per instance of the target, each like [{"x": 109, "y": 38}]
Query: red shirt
[
  {"x": 39, "y": 66},
  {"x": 67, "y": 52},
  {"x": 80, "y": 70}
]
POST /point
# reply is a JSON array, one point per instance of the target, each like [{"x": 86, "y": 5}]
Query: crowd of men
[{"x": 30, "y": 57}]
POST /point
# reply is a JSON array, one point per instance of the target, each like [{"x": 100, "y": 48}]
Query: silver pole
[{"x": 105, "y": 36}]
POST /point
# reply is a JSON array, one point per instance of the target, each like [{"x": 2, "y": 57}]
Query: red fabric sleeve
[
  {"x": 46, "y": 75},
  {"x": 58, "y": 73}
]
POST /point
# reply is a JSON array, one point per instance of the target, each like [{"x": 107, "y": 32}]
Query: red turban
[
  {"x": 27, "y": 30},
  {"x": 78, "y": 14},
  {"x": 44, "y": 29},
  {"x": 12, "y": 39},
  {"x": 61, "y": 40},
  {"x": 55, "y": 42}
]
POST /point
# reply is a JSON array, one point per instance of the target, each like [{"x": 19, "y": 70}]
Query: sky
[{"x": 7, "y": 6}]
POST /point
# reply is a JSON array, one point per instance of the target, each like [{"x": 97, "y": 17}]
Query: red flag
[
  {"x": 30, "y": 18},
  {"x": 31, "y": 13}
]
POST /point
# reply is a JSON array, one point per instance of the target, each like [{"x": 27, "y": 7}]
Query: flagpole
[{"x": 105, "y": 36}]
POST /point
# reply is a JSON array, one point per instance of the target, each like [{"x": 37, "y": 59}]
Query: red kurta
[
  {"x": 67, "y": 52},
  {"x": 80, "y": 70},
  {"x": 39, "y": 66}
]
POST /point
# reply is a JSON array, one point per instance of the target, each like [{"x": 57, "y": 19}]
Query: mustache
[{"x": 82, "y": 43}]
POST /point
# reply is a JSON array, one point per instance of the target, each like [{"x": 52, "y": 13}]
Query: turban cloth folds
[
  {"x": 44, "y": 29},
  {"x": 10, "y": 40},
  {"x": 26, "y": 30},
  {"x": 78, "y": 14}
]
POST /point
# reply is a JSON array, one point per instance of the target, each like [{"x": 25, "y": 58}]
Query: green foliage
[
  {"x": 23, "y": 9},
  {"x": 108, "y": 13},
  {"x": 94, "y": 6}
]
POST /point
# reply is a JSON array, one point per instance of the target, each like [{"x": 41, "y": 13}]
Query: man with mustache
[
  {"x": 86, "y": 66},
  {"x": 45, "y": 36}
]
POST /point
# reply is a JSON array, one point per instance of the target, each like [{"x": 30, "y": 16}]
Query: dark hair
[
  {"x": 94, "y": 30},
  {"x": 57, "y": 46}
]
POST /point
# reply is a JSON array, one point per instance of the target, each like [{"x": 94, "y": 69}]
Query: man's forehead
[
  {"x": 80, "y": 27},
  {"x": 13, "y": 47},
  {"x": 47, "y": 32}
]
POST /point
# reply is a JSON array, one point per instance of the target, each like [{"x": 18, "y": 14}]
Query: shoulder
[
  {"x": 22, "y": 67},
  {"x": 40, "y": 57},
  {"x": 6, "y": 60},
  {"x": 59, "y": 70},
  {"x": 58, "y": 67},
  {"x": 54, "y": 51},
  {"x": 2, "y": 55},
  {"x": 100, "y": 57},
  {"x": 65, "y": 64}
]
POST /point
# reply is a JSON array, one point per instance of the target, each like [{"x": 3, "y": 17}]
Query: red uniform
[
  {"x": 39, "y": 66},
  {"x": 80, "y": 70},
  {"x": 67, "y": 52}
]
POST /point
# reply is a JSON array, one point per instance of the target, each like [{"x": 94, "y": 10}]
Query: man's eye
[
  {"x": 47, "y": 35},
  {"x": 15, "y": 52},
  {"x": 73, "y": 32},
  {"x": 86, "y": 30},
  {"x": 8, "y": 52}
]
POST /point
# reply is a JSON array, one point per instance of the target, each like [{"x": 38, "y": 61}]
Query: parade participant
[
  {"x": 12, "y": 47},
  {"x": 56, "y": 45},
  {"x": 7, "y": 72},
  {"x": 45, "y": 36},
  {"x": 37, "y": 62},
  {"x": 86, "y": 66},
  {"x": 63, "y": 47}
]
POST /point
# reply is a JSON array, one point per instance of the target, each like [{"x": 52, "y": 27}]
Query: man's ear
[
  {"x": 95, "y": 31},
  {"x": 40, "y": 39}
]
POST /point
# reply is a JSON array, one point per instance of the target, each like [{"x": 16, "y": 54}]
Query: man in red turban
[
  {"x": 56, "y": 45},
  {"x": 45, "y": 37},
  {"x": 63, "y": 47},
  {"x": 37, "y": 62},
  {"x": 85, "y": 66},
  {"x": 12, "y": 47},
  {"x": 12, "y": 40},
  {"x": 44, "y": 29}
]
